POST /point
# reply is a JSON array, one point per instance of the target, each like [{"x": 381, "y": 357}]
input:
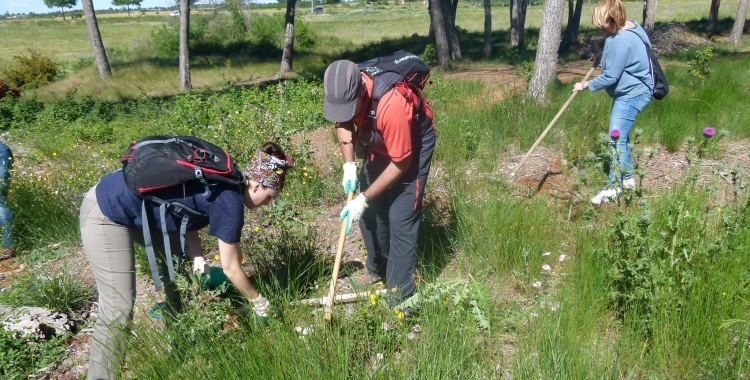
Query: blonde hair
[{"x": 609, "y": 16}]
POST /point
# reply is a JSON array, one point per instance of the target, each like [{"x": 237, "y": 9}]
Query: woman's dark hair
[{"x": 274, "y": 150}]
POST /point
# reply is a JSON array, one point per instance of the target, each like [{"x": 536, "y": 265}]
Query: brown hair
[
  {"x": 609, "y": 16},
  {"x": 274, "y": 150}
]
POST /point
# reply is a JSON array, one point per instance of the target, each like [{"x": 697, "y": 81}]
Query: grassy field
[
  {"x": 138, "y": 68},
  {"x": 513, "y": 282}
]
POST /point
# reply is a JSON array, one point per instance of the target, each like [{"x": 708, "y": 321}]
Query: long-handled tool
[
  {"x": 337, "y": 264},
  {"x": 570, "y": 99}
]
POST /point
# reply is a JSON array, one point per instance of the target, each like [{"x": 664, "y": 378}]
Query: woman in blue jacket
[{"x": 627, "y": 78}]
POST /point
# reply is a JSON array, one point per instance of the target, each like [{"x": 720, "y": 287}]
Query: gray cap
[{"x": 341, "y": 87}]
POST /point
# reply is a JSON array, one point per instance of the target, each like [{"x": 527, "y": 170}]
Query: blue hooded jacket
[{"x": 625, "y": 65}]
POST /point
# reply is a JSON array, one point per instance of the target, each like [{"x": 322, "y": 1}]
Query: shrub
[
  {"x": 32, "y": 70},
  {"x": 699, "y": 65},
  {"x": 525, "y": 70},
  {"x": 430, "y": 54}
]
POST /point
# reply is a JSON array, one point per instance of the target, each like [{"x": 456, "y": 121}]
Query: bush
[{"x": 32, "y": 70}]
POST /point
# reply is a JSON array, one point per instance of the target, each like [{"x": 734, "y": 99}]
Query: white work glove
[
  {"x": 201, "y": 266},
  {"x": 350, "y": 181},
  {"x": 353, "y": 210},
  {"x": 260, "y": 306}
]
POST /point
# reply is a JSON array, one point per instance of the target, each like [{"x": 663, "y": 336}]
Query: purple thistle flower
[
  {"x": 709, "y": 132},
  {"x": 614, "y": 134}
]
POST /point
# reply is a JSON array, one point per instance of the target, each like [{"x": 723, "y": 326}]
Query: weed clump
[{"x": 32, "y": 70}]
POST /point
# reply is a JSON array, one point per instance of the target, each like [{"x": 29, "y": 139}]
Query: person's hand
[
  {"x": 580, "y": 86},
  {"x": 353, "y": 211},
  {"x": 597, "y": 58},
  {"x": 200, "y": 266},
  {"x": 350, "y": 181}
]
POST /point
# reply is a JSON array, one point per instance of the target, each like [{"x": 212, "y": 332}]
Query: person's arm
[
  {"x": 230, "y": 262},
  {"x": 614, "y": 60},
  {"x": 388, "y": 177},
  {"x": 345, "y": 135}
]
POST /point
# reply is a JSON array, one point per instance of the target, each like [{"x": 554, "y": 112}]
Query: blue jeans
[
  {"x": 622, "y": 118},
  {"x": 6, "y": 219}
]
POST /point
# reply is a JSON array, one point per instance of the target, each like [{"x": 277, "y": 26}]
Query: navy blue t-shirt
[{"x": 223, "y": 205}]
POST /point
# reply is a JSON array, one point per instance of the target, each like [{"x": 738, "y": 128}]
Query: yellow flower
[
  {"x": 303, "y": 182},
  {"x": 724, "y": 294},
  {"x": 311, "y": 244},
  {"x": 373, "y": 299},
  {"x": 401, "y": 315},
  {"x": 54, "y": 153},
  {"x": 256, "y": 229},
  {"x": 279, "y": 171},
  {"x": 216, "y": 257},
  {"x": 718, "y": 209}
]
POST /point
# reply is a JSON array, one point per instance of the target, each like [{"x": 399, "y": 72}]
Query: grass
[{"x": 637, "y": 295}]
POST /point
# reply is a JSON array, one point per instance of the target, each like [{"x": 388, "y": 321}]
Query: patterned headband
[{"x": 268, "y": 170}]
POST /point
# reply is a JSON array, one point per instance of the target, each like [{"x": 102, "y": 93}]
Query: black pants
[{"x": 390, "y": 226}]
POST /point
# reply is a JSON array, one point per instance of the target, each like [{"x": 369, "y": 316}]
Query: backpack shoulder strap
[{"x": 649, "y": 53}]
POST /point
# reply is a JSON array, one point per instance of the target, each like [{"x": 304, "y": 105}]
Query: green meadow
[{"x": 514, "y": 280}]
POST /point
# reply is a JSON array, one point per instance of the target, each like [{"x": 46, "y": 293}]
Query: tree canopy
[
  {"x": 124, "y": 3},
  {"x": 60, "y": 3}
]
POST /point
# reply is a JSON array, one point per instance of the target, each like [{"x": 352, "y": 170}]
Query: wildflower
[
  {"x": 546, "y": 253},
  {"x": 663, "y": 234},
  {"x": 724, "y": 294},
  {"x": 304, "y": 168},
  {"x": 554, "y": 307},
  {"x": 561, "y": 258},
  {"x": 411, "y": 336},
  {"x": 736, "y": 169},
  {"x": 653, "y": 151},
  {"x": 590, "y": 155},
  {"x": 639, "y": 152},
  {"x": 400, "y": 315},
  {"x": 723, "y": 133},
  {"x": 630, "y": 146},
  {"x": 575, "y": 183},
  {"x": 642, "y": 202},
  {"x": 709, "y": 132},
  {"x": 638, "y": 131},
  {"x": 416, "y": 328},
  {"x": 216, "y": 257},
  {"x": 690, "y": 139},
  {"x": 546, "y": 267},
  {"x": 298, "y": 329},
  {"x": 615, "y": 134},
  {"x": 54, "y": 153},
  {"x": 373, "y": 299},
  {"x": 537, "y": 284},
  {"x": 384, "y": 326},
  {"x": 534, "y": 315},
  {"x": 256, "y": 229},
  {"x": 307, "y": 330},
  {"x": 379, "y": 356},
  {"x": 604, "y": 138},
  {"x": 303, "y": 182},
  {"x": 721, "y": 167},
  {"x": 718, "y": 209}
]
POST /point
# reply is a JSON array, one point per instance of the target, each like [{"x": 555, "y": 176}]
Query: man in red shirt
[{"x": 400, "y": 139}]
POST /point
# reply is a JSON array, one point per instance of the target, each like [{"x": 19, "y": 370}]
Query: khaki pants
[{"x": 109, "y": 248}]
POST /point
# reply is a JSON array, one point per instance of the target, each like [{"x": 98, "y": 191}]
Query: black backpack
[
  {"x": 159, "y": 162},
  {"x": 385, "y": 73},
  {"x": 661, "y": 87}
]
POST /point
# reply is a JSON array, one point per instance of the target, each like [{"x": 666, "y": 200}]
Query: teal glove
[
  {"x": 353, "y": 211},
  {"x": 350, "y": 181}
]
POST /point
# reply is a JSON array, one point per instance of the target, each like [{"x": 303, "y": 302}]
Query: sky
[{"x": 37, "y": 6}]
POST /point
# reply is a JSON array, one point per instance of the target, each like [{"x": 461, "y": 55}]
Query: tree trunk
[
  {"x": 128, "y": 7},
  {"x": 649, "y": 15},
  {"x": 713, "y": 17},
  {"x": 62, "y": 9},
  {"x": 570, "y": 35},
  {"x": 739, "y": 23},
  {"x": 545, "y": 63},
  {"x": 517, "y": 21},
  {"x": 441, "y": 38},
  {"x": 100, "y": 55},
  {"x": 431, "y": 31},
  {"x": 452, "y": 32},
  {"x": 454, "y": 7},
  {"x": 487, "y": 29},
  {"x": 184, "y": 45},
  {"x": 288, "y": 55}
]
